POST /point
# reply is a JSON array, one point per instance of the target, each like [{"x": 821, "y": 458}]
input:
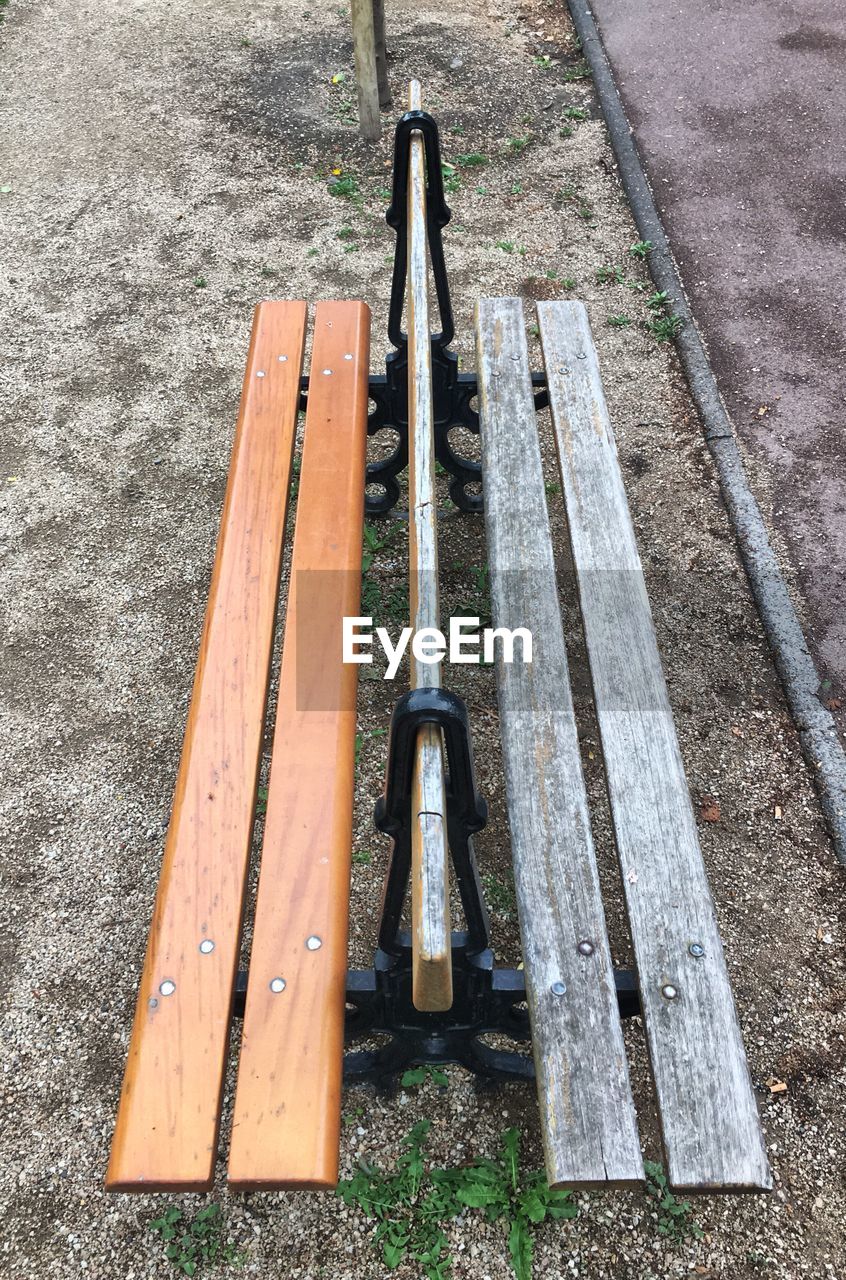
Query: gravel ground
[{"x": 163, "y": 166}]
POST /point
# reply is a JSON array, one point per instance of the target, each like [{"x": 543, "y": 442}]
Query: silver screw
[
  {"x": 260, "y": 373},
  {"x": 327, "y": 371},
  {"x": 153, "y": 1002},
  {"x": 207, "y": 946},
  {"x": 558, "y": 988},
  {"x": 167, "y": 988},
  {"x": 281, "y": 359},
  {"x": 586, "y": 948},
  {"x": 669, "y": 992},
  {"x": 314, "y": 943},
  {"x": 696, "y": 949},
  {"x": 348, "y": 356},
  {"x": 277, "y": 985}
]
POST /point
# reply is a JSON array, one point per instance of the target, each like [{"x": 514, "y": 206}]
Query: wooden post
[
  {"x": 385, "y": 100},
  {"x": 364, "y": 48},
  {"x": 431, "y": 955}
]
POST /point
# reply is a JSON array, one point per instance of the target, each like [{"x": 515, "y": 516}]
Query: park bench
[{"x": 433, "y": 994}]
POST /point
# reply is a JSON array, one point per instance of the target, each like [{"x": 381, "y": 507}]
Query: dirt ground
[{"x": 162, "y": 167}]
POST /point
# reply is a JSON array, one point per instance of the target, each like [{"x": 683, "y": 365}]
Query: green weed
[
  {"x": 665, "y": 328},
  {"x": 674, "y": 1216},
  {"x": 620, "y": 321},
  {"x": 575, "y": 113},
  {"x": 641, "y": 249},
  {"x": 609, "y": 275},
  {"x": 411, "y": 1205},
  {"x": 343, "y": 186},
  {"x": 472, "y": 160},
  {"x": 419, "y": 1075},
  {"x": 579, "y": 71},
  {"x": 189, "y": 1243},
  {"x": 499, "y": 893}
]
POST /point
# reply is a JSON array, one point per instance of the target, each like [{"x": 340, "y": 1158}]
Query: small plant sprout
[
  {"x": 543, "y": 61},
  {"x": 579, "y": 71},
  {"x": 419, "y": 1075},
  {"x": 507, "y": 246},
  {"x": 518, "y": 145},
  {"x": 191, "y": 1243},
  {"x": 640, "y": 249},
  {"x": 200, "y": 282},
  {"x": 609, "y": 275},
  {"x": 657, "y": 300},
  {"x": 472, "y": 160},
  {"x": 575, "y": 113},
  {"x": 665, "y": 328},
  {"x": 674, "y": 1216},
  {"x": 620, "y": 321}
]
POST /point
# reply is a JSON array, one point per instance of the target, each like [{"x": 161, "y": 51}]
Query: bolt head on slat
[
  {"x": 277, "y": 985},
  {"x": 558, "y": 988}
]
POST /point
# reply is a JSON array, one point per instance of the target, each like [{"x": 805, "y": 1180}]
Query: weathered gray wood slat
[
  {"x": 431, "y": 956},
  {"x": 712, "y": 1133},
  {"x": 587, "y": 1113}
]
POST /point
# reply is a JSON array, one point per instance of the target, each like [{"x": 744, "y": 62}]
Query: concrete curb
[{"x": 818, "y": 735}]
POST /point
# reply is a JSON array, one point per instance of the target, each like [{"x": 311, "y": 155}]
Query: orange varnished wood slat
[
  {"x": 288, "y": 1102},
  {"x": 167, "y": 1126}
]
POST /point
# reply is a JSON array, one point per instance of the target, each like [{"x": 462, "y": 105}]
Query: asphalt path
[{"x": 739, "y": 114}]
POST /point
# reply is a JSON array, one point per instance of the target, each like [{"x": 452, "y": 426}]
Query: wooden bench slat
[
  {"x": 167, "y": 1125},
  {"x": 431, "y": 956},
  {"x": 710, "y": 1122},
  {"x": 287, "y": 1118},
  {"x": 587, "y": 1114}
]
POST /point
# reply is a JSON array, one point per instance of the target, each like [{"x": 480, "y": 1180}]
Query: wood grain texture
[
  {"x": 431, "y": 961},
  {"x": 385, "y": 100},
  {"x": 167, "y": 1125},
  {"x": 287, "y": 1118},
  {"x": 366, "y": 74},
  {"x": 587, "y": 1114},
  {"x": 710, "y": 1123}
]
